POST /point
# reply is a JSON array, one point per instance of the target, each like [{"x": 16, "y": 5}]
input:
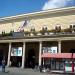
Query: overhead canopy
[
  {"x": 73, "y": 55},
  {"x": 57, "y": 55}
]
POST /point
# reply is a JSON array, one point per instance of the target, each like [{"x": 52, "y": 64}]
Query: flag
[{"x": 21, "y": 28}]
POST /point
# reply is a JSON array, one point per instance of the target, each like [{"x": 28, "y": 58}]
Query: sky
[{"x": 16, "y": 7}]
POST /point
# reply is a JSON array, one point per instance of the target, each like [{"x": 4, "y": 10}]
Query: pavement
[{"x": 19, "y": 71}]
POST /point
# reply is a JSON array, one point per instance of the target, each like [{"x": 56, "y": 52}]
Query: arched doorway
[{"x": 30, "y": 60}]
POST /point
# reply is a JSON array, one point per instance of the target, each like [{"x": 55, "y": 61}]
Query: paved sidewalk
[{"x": 19, "y": 71}]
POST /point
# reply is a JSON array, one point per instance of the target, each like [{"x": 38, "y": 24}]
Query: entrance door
[
  {"x": 53, "y": 64},
  {"x": 1, "y": 57},
  {"x": 30, "y": 61},
  {"x": 16, "y": 61}
]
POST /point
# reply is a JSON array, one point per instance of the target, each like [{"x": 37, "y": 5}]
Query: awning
[
  {"x": 57, "y": 55},
  {"x": 73, "y": 55}
]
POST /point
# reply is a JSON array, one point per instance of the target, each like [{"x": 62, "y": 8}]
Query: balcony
[{"x": 40, "y": 34}]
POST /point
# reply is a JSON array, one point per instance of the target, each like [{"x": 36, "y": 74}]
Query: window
[
  {"x": 70, "y": 26},
  {"x": 44, "y": 27},
  {"x": 58, "y": 28},
  {"x": 73, "y": 26},
  {"x": 32, "y": 28}
]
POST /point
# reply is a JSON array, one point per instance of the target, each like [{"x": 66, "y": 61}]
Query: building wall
[
  {"x": 67, "y": 46},
  {"x": 64, "y": 21},
  {"x": 38, "y": 23},
  {"x": 7, "y": 27},
  {"x": 35, "y": 47}
]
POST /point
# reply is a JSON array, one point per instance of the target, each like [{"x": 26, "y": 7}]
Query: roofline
[{"x": 50, "y": 11}]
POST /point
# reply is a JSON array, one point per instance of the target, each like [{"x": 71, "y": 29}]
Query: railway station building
[{"x": 44, "y": 37}]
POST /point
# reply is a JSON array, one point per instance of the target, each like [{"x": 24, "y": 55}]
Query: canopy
[
  {"x": 57, "y": 55},
  {"x": 73, "y": 55}
]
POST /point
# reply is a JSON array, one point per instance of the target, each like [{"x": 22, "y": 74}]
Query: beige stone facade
[{"x": 50, "y": 18}]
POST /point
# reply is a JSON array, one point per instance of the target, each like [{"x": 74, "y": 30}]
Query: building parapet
[{"x": 23, "y": 36}]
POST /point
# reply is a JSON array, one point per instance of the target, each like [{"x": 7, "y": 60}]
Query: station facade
[{"x": 25, "y": 38}]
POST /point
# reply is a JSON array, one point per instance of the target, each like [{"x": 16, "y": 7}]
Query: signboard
[
  {"x": 16, "y": 51},
  {"x": 52, "y": 49}
]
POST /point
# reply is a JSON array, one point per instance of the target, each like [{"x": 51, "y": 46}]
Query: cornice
[{"x": 40, "y": 13}]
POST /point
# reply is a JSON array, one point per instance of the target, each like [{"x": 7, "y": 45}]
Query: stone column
[
  {"x": 40, "y": 52},
  {"x": 9, "y": 55},
  {"x": 43, "y": 61},
  {"x": 59, "y": 46},
  {"x": 23, "y": 56}
]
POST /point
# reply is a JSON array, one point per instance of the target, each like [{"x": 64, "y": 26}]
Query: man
[{"x": 3, "y": 65}]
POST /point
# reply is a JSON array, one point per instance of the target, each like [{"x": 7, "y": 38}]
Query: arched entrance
[{"x": 30, "y": 60}]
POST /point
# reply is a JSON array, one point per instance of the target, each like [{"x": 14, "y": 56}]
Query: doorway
[
  {"x": 1, "y": 57},
  {"x": 72, "y": 50},
  {"x": 30, "y": 60},
  {"x": 16, "y": 61}
]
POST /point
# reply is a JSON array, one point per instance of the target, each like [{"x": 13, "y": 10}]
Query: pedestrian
[
  {"x": 10, "y": 64},
  {"x": 40, "y": 67},
  {"x": 19, "y": 64},
  {"x": 3, "y": 65}
]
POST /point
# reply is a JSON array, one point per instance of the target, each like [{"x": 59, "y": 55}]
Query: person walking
[
  {"x": 3, "y": 65},
  {"x": 40, "y": 67}
]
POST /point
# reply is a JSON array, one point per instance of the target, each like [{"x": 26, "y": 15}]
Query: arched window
[
  {"x": 32, "y": 28},
  {"x": 74, "y": 26},
  {"x": 71, "y": 26},
  {"x": 58, "y": 27},
  {"x": 45, "y": 28}
]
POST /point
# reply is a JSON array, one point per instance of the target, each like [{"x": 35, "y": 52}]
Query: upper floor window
[
  {"x": 72, "y": 26},
  {"x": 32, "y": 28},
  {"x": 45, "y": 28},
  {"x": 58, "y": 28}
]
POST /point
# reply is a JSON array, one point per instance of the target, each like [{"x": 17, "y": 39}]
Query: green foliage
[{"x": 7, "y": 34}]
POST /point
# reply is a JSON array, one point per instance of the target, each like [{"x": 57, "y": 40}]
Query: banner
[
  {"x": 52, "y": 49},
  {"x": 16, "y": 51}
]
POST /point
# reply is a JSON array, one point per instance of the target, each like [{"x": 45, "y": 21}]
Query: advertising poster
[{"x": 16, "y": 51}]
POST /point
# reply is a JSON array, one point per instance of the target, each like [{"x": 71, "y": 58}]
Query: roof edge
[{"x": 50, "y": 11}]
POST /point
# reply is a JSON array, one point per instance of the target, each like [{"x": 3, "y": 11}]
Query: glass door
[{"x": 53, "y": 64}]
